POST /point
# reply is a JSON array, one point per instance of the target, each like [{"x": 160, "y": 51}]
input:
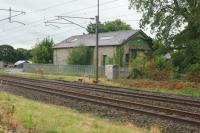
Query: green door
[{"x": 105, "y": 60}]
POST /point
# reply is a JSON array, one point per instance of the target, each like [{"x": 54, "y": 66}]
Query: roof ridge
[
  {"x": 88, "y": 39},
  {"x": 105, "y": 32}
]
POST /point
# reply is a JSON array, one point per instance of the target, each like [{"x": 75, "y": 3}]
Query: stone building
[{"x": 134, "y": 43}]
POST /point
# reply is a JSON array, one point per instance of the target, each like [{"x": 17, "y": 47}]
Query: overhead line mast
[
  {"x": 10, "y": 16},
  {"x": 66, "y": 18},
  {"x": 97, "y": 43}
]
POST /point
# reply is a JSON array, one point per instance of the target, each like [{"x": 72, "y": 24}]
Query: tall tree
[
  {"x": 108, "y": 26},
  {"x": 22, "y": 54},
  {"x": 7, "y": 53},
  {"x": 175, "y": 22},
  {"x": 43, "y": 51}
]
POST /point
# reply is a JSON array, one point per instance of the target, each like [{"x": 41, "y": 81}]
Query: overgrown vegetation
[
  {"x": 118, "y": 56},
  {"x": 137, "y": 67},
  {"x": 81, "y": 55},
  {"x": 34, "y": 117},
  {"x": 170, "y": 86},
  {"x": 156, "y": 67},
  {"x": 193, "y": 72},
  {"x": 176, "y": 24},
  {"x": 43, "y": 51},
  {"x": 7, "y": 110}
]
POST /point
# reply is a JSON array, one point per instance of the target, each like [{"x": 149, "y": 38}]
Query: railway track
[
  {"x": 161, "y": 112},
  {"x": 109, "y": 90}
]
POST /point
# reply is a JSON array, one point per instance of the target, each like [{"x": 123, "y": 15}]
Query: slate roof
[{"x": 105, "y": 39}]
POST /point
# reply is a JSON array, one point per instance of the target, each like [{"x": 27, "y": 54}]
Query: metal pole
[
  {"x": 10, "y": 15},
  {"x": 97, "y": 43}
]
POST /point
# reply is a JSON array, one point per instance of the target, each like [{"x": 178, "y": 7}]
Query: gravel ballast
[{"x": 167, "y": 126}]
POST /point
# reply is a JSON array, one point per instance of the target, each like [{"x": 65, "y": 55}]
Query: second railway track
[
  {"x": 172, "y": 114},
  {"x": 135, "y": 94}
]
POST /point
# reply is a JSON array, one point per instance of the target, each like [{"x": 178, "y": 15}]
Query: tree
[
  {"x": 22, "y": 54},
  {"x": 7, "y": 54},
  {"x": 43, "y": 51},
  {"x": 108, "y": 26},
  {"x": 175, "y": 22},
  {"x": 158, "y": 48},
  {"x": 81, "y": 55}
]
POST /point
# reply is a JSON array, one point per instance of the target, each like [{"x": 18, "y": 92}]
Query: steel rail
[
  {"x": 168, "y": 110},
  {"x": 180, "y": 101},
  {"x": 82, "y": 98}
]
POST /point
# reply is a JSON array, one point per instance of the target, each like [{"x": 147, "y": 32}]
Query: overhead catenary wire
[
  {"x": 17, "y": 34},
  {"x": 85, "y": 8},
  {"x": 105, "y": 19},
  {"x": 10, "y": 17},
  {"x": 80, "y": 10},
  {"x": 71, "y": 12},
  {"x": 108, "y": 18},
  {"x": 40, "y": 37}
]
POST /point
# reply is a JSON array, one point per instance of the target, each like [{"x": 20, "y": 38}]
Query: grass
[
  {"x": 185, "y": 91},
  {"x": 42, "y": 118},
  {"x": 170, "y": 87},
  {"x": 47, "y": 76},
  {"x": 1, "y": 71}
]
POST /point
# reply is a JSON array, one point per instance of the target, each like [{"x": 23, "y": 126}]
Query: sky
[{"x": 39, "y": 11}]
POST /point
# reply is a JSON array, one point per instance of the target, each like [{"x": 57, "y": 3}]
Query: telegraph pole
[{"x": 97, "y": 43}]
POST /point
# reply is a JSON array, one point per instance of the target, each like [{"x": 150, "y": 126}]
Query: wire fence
[
  {"x": 89, "y": 70},
  {"x": 1, "y": 64}
]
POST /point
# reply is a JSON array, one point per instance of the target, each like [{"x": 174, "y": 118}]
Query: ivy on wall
[{"x": 118, "y": 56}]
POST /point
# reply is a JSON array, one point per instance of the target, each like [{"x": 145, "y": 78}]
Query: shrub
[
  {"x": 193, "y": 72},
  {"x": 138, "y": 68},
  {"x": 81, "y": 55},
  {"x": 159, "y": 68}
]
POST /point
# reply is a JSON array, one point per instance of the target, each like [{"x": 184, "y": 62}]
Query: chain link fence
[{"x": 63, "y": 69}]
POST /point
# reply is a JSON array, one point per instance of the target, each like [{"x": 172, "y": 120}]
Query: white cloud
[{"x": 25, "y": 36}]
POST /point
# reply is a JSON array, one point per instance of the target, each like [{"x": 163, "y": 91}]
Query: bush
[
  {"x": 138, "y": 68},
  {"x": 159, "y": 68},
  {"x": 193, "y": 72},
  {"x": 81, "y": 55}
]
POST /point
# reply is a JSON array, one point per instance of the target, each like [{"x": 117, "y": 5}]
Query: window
[
  {"x": 106, "y": 38},
  {"x": 72, "y": 40},
  {"x": 127, "y": 58}
]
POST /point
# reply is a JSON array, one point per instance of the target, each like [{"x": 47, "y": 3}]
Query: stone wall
[{"x": 61, "y": 55}]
